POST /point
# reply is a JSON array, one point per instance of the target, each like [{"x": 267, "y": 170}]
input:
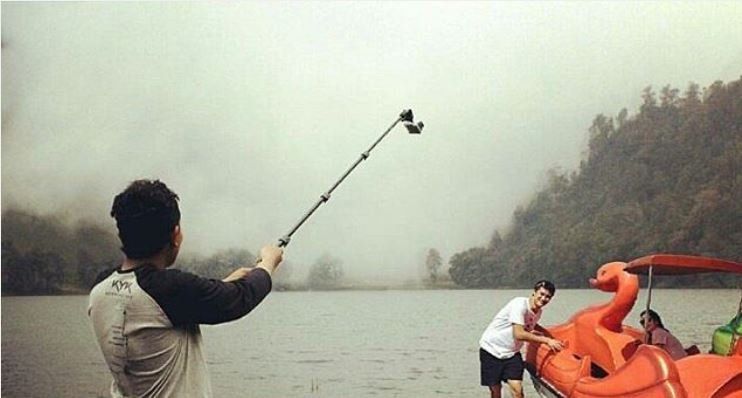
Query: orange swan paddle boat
[{"x": 604, "y": 358}]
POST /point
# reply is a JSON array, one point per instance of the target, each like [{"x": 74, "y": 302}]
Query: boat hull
[{"x": 603, "y": 358}]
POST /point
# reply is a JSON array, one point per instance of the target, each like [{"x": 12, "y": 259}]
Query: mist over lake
[{"x": 250, "y": 111}]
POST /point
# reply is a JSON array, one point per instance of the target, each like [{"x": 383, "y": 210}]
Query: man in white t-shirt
[{"x": 499, "y": 352}]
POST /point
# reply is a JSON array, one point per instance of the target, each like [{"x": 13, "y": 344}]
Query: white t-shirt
[{"x": 498, "y": 338}]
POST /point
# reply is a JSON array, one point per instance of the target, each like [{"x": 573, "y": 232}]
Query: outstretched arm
[
  {"x": 187, "y": 299},
  {"x": 270, "y": 257}
]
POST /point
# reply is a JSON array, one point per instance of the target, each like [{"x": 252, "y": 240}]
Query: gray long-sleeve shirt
[{"x": 146, "y": 323}]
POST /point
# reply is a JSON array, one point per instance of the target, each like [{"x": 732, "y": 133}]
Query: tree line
[
  {"x": 43, "y": 254},
  {"x": 665, "y": 180}
]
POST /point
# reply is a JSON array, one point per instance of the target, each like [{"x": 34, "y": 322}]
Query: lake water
[{"x": 324, "y": 344}]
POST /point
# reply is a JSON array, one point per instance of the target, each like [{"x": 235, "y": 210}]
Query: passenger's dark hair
[
  {"x": 655, "y": 317},
  {"x": 546, "y": 285},
  {"x": 146, "y": 213}
]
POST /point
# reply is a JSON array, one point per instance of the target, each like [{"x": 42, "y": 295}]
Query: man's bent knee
[{"x": 516, "y": 388}]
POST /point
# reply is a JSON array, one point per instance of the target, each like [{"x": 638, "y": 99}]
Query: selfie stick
[{"x": 406, "y": 118}]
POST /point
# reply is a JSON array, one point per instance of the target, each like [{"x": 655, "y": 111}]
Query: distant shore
[{"x": 83, "y": 292}]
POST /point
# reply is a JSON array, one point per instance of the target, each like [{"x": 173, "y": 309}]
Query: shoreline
[{"x": 83, "y": 292}]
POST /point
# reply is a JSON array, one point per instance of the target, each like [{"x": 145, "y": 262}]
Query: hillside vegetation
[{"x": 664, "y": 180}]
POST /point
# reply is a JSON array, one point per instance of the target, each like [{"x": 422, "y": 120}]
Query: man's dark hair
[
  {"x": 546, "y": 285},
  {"x": 146, "y": 213}
]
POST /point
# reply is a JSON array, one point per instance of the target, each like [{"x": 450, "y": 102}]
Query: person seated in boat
[
  {"x": 658, "y": 335},
  {"x": 500, "y": 345}
]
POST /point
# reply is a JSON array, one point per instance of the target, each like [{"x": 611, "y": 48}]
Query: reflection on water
[{"x": 324, "y": 344}]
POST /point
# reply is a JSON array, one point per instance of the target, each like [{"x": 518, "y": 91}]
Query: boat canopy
[{"x": 676, "y": 264}]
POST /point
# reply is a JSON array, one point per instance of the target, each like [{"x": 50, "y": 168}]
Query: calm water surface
[{"x": 349, "y": 343}]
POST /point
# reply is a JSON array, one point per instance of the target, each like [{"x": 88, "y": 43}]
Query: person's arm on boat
[
  {"x": 520, "y": 333},
  {"x": 541, "y": 331}
]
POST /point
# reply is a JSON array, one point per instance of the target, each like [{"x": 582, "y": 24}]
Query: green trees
[
  {"x": 34, "y": 272},
  {"x": 664, "y": 180},
  {"x": 325, "y": 273},
  {"x": 471, "y": 268},
  {"x": 433, "y": 263},
  {"x": 43, "y": 255}
]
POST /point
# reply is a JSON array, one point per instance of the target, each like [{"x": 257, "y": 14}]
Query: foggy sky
[{"x": 250, "y": 111}]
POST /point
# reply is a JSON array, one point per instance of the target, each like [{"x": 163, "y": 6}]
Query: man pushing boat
[{"x": 517, "y": 322}]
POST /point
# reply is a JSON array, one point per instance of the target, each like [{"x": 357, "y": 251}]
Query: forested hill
[{"x": 664, "y": 180}]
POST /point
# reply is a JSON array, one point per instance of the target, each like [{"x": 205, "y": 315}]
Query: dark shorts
[{"x": 494, "y": 370}]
